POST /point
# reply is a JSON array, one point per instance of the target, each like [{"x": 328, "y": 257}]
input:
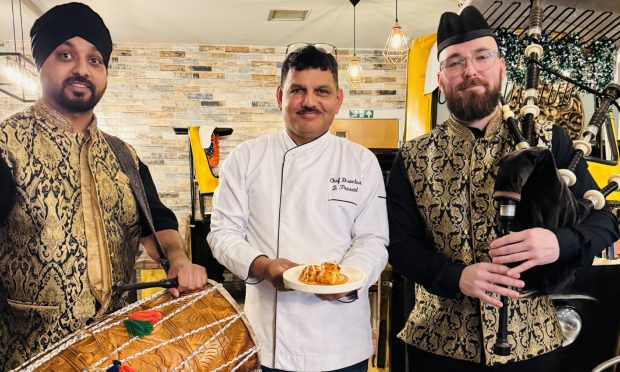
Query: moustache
[
  {"x": 308, "y": 110},
  {"x": 81, "y": 80},
  {"x": 470, "y": 83}
]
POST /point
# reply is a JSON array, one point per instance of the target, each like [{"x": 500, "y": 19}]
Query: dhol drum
[{"x": 199, "y": 331}]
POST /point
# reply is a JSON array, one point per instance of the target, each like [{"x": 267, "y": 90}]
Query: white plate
[{"x": 356, "y": 281}]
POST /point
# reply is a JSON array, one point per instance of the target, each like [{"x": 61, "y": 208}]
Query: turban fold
[
  {"x": 455, "y": 29},
  {"x": 63, "y": 22}
]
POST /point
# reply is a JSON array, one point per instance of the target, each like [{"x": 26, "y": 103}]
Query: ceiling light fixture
[
  {"x": 396, "y": 48},
  {"x": 355, "y": 74},
  {"x": 18, "y": 74},
  {"x": 287, "y": 15}
]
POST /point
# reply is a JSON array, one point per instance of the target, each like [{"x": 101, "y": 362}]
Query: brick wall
[{"x": 154, "y": 87}]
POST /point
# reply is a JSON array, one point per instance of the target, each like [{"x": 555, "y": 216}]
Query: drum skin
[{"x": 224, "y": 344}]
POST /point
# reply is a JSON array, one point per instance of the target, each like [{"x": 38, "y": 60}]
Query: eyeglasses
[
  {"x": 482, "y": 61},
  {"x": 321, "y": 47}
]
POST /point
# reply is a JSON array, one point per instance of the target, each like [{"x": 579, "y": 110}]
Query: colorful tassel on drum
[
  {"x": 117, "y": 367},
  {"x": 141, "y": 323}
]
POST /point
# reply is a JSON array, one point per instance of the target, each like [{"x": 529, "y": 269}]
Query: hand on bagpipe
[{"x": 532, "y": 193}]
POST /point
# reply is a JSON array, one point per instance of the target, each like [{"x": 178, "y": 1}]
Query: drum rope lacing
[
  {"x": 48, "y": 354},
  {"x": 197, "y": 297},
  {"x": 246, "y": 355},
  {"x": 105, "y": 324},
  {"x": 228, "y": 320}
]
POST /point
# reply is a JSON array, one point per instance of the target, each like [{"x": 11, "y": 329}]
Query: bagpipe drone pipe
[{"x": 530, "y": 191}]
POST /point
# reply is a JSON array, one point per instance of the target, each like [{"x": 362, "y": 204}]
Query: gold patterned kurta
[
  {"x": 453, "y": 174},
  {"x": 74, "y": 216}
]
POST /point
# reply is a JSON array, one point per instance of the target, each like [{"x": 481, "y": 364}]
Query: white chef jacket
[{"x": 321, "y": 201}]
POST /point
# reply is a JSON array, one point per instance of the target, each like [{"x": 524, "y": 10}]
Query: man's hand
[
  {"x": 479, "y": 279},
  {"x": 531, "y": 247},
  {"x": 190, "y": 276},
  {"x": 271, "y": 269}
]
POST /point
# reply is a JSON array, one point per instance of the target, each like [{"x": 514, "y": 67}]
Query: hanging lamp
[
  {"x": 355, "y": 74},
  {"x": 396, "y": 49}
]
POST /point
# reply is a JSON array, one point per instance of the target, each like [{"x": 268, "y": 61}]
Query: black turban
[
  {"x": 65, "y": 21},
  {"x": 455, "y": 29}
]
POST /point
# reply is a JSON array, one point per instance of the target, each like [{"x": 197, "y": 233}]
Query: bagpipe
[{"x": 529, "y": 190}]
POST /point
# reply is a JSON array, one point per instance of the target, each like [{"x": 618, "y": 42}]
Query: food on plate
[
  {"x": 327, "y": 273},
  {"x": 308, "y": 274}
]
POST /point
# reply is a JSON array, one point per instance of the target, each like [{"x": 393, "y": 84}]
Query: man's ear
[
  {"x": 503, "y": 68},
  {"x": 339, "y": 97},
  {"x": 279, "y": 97},
  {"x": 439, "y": 81}
]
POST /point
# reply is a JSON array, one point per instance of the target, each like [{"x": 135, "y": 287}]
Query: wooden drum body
[{"x": 200, "y": 331}]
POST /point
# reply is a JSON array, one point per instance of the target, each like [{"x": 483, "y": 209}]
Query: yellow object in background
[
  {"x": 601, "y": 172},
  {"x": 150, "y": 275},
  {"x": 418, "y": 105},
  {"x": 207, "y": 182}
]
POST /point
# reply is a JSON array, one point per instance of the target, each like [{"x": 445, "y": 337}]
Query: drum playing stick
[{"x": 166, "y": 283}]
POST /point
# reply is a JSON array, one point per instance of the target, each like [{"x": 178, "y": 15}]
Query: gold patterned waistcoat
[
  {"x": 453, "y": 174},
  {"x": 67, "y": 184}
]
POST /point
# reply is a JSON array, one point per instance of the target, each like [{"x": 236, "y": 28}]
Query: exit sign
[{"x": 361, "y": 114}]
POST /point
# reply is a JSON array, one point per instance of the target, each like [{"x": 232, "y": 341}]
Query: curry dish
[{"x": 327, "y": 273}]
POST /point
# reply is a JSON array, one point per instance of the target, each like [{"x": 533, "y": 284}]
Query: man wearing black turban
[
  {"x": 69, "y": 224},
  {"x": 63, "y": 22},
  {"x": 442, "y": 217}
]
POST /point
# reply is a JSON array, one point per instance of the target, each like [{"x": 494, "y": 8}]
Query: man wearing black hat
[
  {"x": 69, "y": 224},
  {"x": 442, "y": 218}
]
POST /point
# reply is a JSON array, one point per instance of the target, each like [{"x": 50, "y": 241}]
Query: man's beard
[
  {"x": 472, "y": 106},
  {"x": 78, "y": 103}
]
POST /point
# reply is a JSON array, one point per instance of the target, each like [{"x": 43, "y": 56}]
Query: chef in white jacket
[{"x": 299, "y": 197}]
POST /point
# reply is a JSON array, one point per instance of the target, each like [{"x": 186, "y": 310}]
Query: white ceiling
[{"x": 244, "y": 22}]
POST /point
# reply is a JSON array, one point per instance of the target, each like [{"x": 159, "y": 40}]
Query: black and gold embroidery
[
  {"x": 44, "y": 291},
  {"x": 452, "y": 174}
]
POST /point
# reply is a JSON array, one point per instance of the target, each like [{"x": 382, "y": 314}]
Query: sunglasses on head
[{"x": 321, "y": 47}]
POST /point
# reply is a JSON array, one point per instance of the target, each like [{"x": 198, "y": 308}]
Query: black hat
[
  {"x": 455, "y": 29},
  {"x": 65, "y": 21}
]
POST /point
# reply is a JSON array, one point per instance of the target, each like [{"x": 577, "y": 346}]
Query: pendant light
[
  {"x": 355, "y": 74},
  {"x": 396, "y": 48}
]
